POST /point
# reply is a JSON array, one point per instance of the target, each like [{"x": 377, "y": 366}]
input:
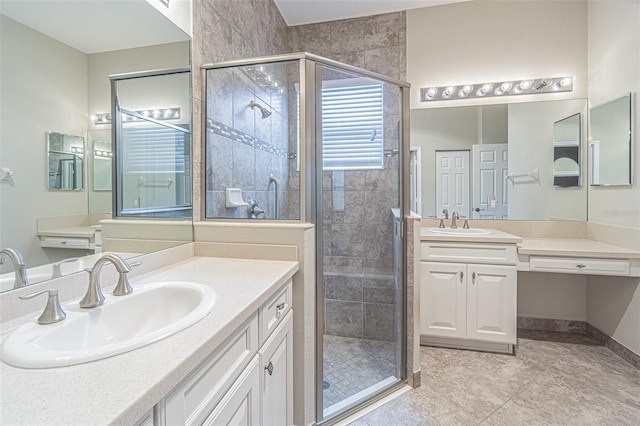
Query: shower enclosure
[
  {"x": 151, "y": 131},
  {"x": 302, "y": 138}
]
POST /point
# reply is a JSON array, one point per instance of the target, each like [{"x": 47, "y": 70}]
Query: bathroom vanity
[
  {"x": 234, "y": 363},
  {"x": 468, "y": 290}
]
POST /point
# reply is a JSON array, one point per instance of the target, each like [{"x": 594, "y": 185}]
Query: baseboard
[
  {"x": 582, "y": 327},
  {"x": 614, "y": 346}
]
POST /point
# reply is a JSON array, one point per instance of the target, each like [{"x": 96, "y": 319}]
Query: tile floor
[
  {"x": 554, "y": 379},
  {"x": 352, "y": 365}
]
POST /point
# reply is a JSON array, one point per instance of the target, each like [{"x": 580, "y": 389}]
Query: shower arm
[{"x": 276, "y": 183}]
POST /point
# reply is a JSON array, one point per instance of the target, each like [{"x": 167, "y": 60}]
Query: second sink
[{"x": 459, "y": 231}]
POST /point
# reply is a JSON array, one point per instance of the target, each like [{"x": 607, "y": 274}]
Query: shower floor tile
[{"x": 352, "y": 365}]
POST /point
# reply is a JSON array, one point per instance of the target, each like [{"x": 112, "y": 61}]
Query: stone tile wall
[
  {"x": 358, "y": 235},
  {"x": 226, "y": 30}
]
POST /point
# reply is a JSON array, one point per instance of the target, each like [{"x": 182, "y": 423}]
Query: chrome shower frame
[{"x": 310, "y": 153}]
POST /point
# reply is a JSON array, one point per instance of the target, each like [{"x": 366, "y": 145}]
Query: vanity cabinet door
[
  {"x": 241, "y": 405},
  {"x": 492, "y": 301},
  {"x": 443, "y": 299},
  {"x": 277, "y": 375}
]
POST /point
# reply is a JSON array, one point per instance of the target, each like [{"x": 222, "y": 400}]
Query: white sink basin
[
  {"x": 459, "y": 231},
  {"x": 151, "y": 313}
]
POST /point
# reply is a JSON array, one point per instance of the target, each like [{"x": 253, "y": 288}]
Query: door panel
[
  {"x": 443, "y": 299},
  {"x": 492, "y": 303},
  {"x": 452, "y": 182},
  {"x": 490, "y": 169}
]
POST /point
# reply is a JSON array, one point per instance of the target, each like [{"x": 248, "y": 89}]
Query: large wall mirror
[
  {"x": 56, "y": 60},
  {"x": 610, "y": 145},
  {"x": 501, "y": 161}
]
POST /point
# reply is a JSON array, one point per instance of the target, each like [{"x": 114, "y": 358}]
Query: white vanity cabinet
[
  {"x": 468, "y": 295},
  {"x": 248, "y": 381}
]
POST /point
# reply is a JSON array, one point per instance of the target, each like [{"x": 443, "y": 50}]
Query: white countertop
[
  {"x": 496, "y": 236},
  {"x": 72, "y": 232},
  {"x": 568, "y": 247},
  {"x": 121, "y": 389}
]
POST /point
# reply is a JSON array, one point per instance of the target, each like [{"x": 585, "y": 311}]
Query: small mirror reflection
[{"x": 65, "y": 161}]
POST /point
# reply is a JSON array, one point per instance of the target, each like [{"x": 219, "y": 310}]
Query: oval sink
[
  {"x": 459, "y": 231},
  {"x": 151, "y": 313}
]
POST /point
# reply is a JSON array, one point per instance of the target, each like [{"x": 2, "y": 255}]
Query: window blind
[
  {"x": 352, "y": 127},
  {"x": 153, "y": 149}
]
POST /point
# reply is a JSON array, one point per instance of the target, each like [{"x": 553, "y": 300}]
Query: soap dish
[{"x": 233, "y": 198}]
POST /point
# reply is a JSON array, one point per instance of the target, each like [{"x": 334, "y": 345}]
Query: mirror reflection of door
[
  {"x": 490, "y": 169},
  {"x": 452, "y": 182}
]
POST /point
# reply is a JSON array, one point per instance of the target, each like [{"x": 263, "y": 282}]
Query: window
[{"x": 352, "y": 125}]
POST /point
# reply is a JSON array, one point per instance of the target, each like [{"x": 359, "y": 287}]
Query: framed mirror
[
  {"x": 65, "y": 162},
  {"x": 610, "y": 147}
]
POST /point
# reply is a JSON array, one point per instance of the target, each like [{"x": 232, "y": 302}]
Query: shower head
[{"x": 265, "y": 112}]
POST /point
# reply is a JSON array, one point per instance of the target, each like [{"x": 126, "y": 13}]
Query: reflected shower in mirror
[
  {"x": 497, "y": 161},
  {"x": 65, "y": 162},
  {"x": 611, "y": 144}
]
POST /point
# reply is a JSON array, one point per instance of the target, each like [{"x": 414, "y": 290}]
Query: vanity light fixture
[
  {"x": 157, "y": 114},
  {"x": 498, "y": 88}
]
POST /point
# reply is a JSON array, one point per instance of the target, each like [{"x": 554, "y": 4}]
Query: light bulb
[
  {"x": 517, "y": 89},
  {"x": 506, "y": 86},
  {"x": 486, "y": 88},
  {"x": 525, "y": 84},
  {"x": 448, "y": 91},
  {"x": 431, "y": 92},
  {"x": 499, "y": 91},
  {"x": 480, "y": 92},
  {"x": 467, "y": 89}
]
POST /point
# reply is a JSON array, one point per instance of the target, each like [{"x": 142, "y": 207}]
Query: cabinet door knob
[
  {"x": 269, "y": 368},
  {"x": 473, "y": 278},
  {"x": 580, "y": 266},
  {"x": 461, "y": 276}
]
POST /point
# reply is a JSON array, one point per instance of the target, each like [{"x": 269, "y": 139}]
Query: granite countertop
[
  {"x": 122, "y": 388},
  {"x": 578, "y": 247},
  {"x": 496, "y": 236},
  {"x": 73, "y": 232}
]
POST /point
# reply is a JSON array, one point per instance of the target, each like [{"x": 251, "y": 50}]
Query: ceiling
[
  {"x": 298, "y": 12},
  {"x": 93, "y": 26}
]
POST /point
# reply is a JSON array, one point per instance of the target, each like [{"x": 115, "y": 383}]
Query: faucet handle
[
  {"x": 466, "y": 222},
  {"x": 56, "y": 272},
  {"x": 52, "y": 311}
]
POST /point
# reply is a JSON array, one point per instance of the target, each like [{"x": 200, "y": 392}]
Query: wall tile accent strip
[{"x": 238, "y": 136}]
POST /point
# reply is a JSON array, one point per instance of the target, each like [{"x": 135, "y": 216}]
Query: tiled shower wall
[
  {"x": 358, "y": 238},
  {"x": 243, "y": 149},
  {"x": 226, "y": 30}
]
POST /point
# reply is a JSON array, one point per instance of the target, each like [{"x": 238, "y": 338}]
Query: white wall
[
  {"x": 614, "y": 69},
  {"x": 179, "y": 12},
  {"x": 552, "y": 296},
  {"x": 531, "y": 147},
  {"x": 481, "y": 41},
  {"x": 44, "y": 88}
]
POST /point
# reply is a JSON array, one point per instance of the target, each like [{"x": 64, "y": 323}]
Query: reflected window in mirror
[
  {"x": 65, "y": 162},
  {"x": 611, "y": 143}
]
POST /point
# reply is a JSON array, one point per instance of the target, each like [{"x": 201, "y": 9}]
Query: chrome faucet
[
  {"x": 94, "y": 296},
  {"x": 255, "y": 211},
  {"x": 445, "y": 212},
  {"x": 19, "y": 266},
  {"x": 454, "y": 217}
]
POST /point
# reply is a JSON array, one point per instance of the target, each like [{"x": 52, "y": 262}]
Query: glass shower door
[{"x": 360, "y": 245}]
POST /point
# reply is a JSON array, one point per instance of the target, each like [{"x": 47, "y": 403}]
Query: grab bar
[{"x": 276, "y": 183}]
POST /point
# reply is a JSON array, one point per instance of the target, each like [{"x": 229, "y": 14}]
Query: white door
[
  {"x": 490, "y": 169},
  {"x": 277, "y": 375},
  {"x": 443, "y": 299},
  {"x": 415, "y": 180},
  {"x": 452, "y": 182},
  {"x": 491, "y": 299}
]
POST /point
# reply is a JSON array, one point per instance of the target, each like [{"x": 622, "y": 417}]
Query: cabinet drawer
[
  {"x": 63, "y": 242},
  {"x": 496, "y": 254},
  {"x": 194, "y": 400},
  {"x": 274, "y": 310},
  {"x": 579, "y": 265}
]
